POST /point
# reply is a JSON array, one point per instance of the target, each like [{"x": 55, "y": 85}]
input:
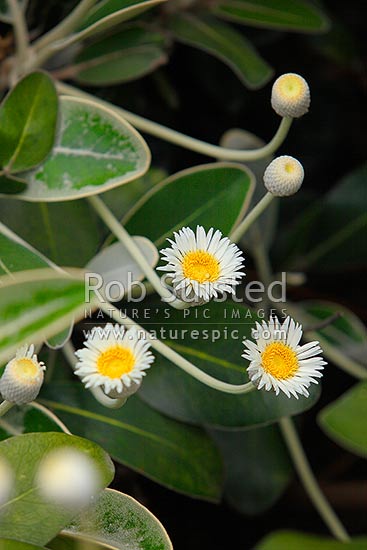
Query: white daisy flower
[
  {"x": 23, "y": 377},
  {"x": 202, "y": 265},
  {"x": 278, "y": 362},
  {"x": 114, "y": 358}
]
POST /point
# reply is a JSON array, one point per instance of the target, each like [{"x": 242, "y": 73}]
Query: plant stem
[
  {"x": 20, "y": 31},
  {"x": 241, "y": 229},
  {"x": 172, "y": 136},
  {"x": 123, "y": 236},
  {"x": 5, "y": 406},
  {"x": 66, "y": 26},
  {"x": 309, "y": 481},
  {"x": 176, "y": 358},
  {"x": 112, "y": 403}
]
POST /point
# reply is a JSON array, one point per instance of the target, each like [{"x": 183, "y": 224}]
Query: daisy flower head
[
  {"x": 290, "y": 96},
  {"x": 23, "y": 377},
  {"x": 202, "y": 265},
  {"x": 115, "y": 359},
  {"x": 277, "y": 360}
]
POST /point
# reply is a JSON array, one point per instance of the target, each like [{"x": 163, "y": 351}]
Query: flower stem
[
  {"x": 5, "y": 406},
  {"x": 176, "y": 358},
  {"x": 241, "y": 229},
  {"x": 172, "y": 136},
  {"x": 69, "y": 354},
  {"x": 309, "y": 481},
  {"x": 123, "y": 236},
  {"x": 20, "y": 31}
]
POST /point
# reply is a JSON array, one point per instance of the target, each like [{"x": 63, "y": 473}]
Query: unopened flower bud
[
  {"x": 68, "y": 477},
  {"x": 23, "y": 377},
  {"x": 290, "y": 96},
  {"x": 284, "y": 176}
]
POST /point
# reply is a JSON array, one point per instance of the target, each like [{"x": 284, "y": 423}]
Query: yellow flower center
[
  {"x": 279, "y": 360},
  {"x": 200, "y": 266},
  {"x": 115, "y": 361},
  {"x": 291, "y": 86},
  {"x": 24, "y": 369},
  {"x": 289, "y": 167}
]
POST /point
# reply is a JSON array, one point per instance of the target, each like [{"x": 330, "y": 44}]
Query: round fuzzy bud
[
  {"x": 23, "y": 377},
  {"x": 290, "y": 96},
  {"x": 68, "y": 478},
  {"x": 284, "y": 176},
  {"x": 6, "y": 481}
]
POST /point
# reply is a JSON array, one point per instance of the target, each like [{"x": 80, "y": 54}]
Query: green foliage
[
  {"x": 304, "y": 541},
  {"x": 343, "y": 420},
  {"x": 28, "y": 419},
  {"x": 25, "y": 517}
]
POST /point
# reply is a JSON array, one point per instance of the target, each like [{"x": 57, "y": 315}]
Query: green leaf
[
  {"x": 347, "y": 333},
  {"x": 121, "y": 522},
  {"x": 37, "y": 304},
  {"x": 10, "y": 185},
  {"x": 264, "y": 227},
  {"x": 28, "y": 119},
  {"x": 44, "y": 226},
  {"x": 106, "y": 15},
  {"x": 332, "y": 233},
  {"x": 257, "y": 467},
  {"x": 125, "y": 56},
  {"x": 26, "y": 516},
  {"x": 5, "y": 14},
  {"x": 291, "y": 15},
  {"x": 7, "y": 544},
  {"x": 191, "y": 197},
  {"x": 142, "y": 439},
  {"x": 28, "y": 419},
  {"x": 304, "y": 541},
  {"x": 95, "y": 150},
  {"x": 223, "y": 42},
  {"x": 18, "y": 255},
  {"x": 344, "y": 420},
  {"x": 211, "y": 338}
]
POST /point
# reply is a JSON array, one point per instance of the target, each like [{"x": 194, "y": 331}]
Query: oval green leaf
[
  {"x": 291, "y": 15},
  {"x": 95, "y": 150},
  {"x": 344, "y": 420},
  {"x": 29, "y": 419},
  {"x": 192, "y": 197},
  {"x": 120, "y": 522},
  {"x": 143, "y": 439},
  {"x": 304, "y": 541},
  {"x": 211, "y": 338},
  {"x": 223, "y": 42},
  {"x": 26, "y": 516},
  {"x": 7, "y": 544},
  {"x": 37, "y": 304},
  {"x": 28, "y": 119},
  {"x": 123, "y": 57}
]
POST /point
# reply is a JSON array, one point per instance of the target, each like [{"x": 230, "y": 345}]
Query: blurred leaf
[
  {"x": 28, "y": 119},
  {"x": 7, "y": 544},
  {"x": 292, "y": 15},
  {"x": 28, "y": 419},
  {"x": 10, "y": 185},
  {"x": 211, "y": 337},
  {"x": 279, "y": 540},
  {"x": 346, "y": 333},
  {"x": 125, "y": 56},
  {"x": 59, "y": 340},
  {"x": 191, "y": 197},
  {"x": 5, "y": 14},
  {"x": 223, "y": 42},
  {"x": 332, "y": 233},
  {"x": 106, "y": 15},
  {"x": 115, "y": 264},
  {"x": 95, "y": 150},
  {"x": 143, "y": 439},
  {"x": 257, "y": 467},
  {"x": 26, "y": 516},
  {"x": 37, "y": 304},
  {"x": 51, "y": 228},
  {"x": 121, "y": 522},
  {"x": 264, "y": 227},
  {"x": 344, "y": 420}
]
